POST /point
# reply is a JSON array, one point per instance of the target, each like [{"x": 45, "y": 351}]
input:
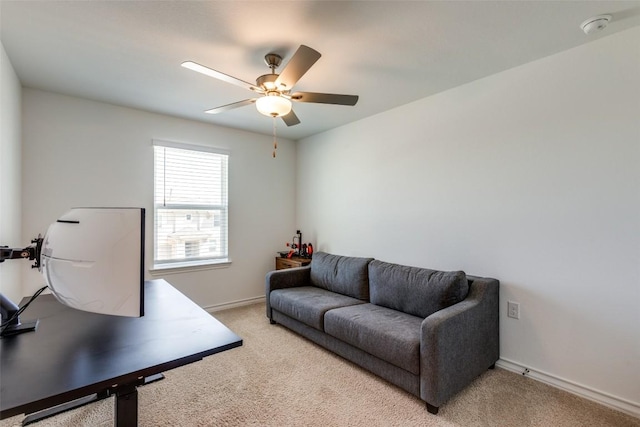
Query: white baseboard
[
  {"x": 234, "y": 304},
  {"x": 605, "y": 399}
]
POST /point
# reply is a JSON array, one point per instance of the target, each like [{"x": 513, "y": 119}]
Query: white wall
[
  {"x": 83, "y": 153},
  {"x": 10, "y": 171},
  {"x": 531, "y": 176}
]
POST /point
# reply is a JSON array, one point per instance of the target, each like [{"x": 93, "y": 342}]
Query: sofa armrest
[
  {"x": 460, "y": 342},
  {"x": 287, "y": 278}
]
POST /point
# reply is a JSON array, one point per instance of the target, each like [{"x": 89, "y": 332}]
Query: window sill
[{"x": 186, "y": 267}]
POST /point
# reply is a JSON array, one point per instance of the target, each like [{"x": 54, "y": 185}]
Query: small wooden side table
[{"x": 282, "y": 263}]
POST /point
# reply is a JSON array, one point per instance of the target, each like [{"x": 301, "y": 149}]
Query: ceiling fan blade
[
  {"x": 291, "y": 119},
  {"x": 220, "y": 76},
  {"x": 231, "y": 106},
  {"x": 324, "y": 98},
  {"x": 299, "y": 64}
]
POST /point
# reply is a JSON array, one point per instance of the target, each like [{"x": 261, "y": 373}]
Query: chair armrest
[
  {"x": 287, "y": 278},
  {"x": 460, "y": 342}
]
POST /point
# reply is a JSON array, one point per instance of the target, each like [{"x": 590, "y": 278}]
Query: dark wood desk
[{"x": 74, "y": 354}]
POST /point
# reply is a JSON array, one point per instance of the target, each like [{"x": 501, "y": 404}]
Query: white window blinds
[{"x": 191, "y": 205}]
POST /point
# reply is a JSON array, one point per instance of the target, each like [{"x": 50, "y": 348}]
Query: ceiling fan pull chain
[{"x": 275, "y": 142}]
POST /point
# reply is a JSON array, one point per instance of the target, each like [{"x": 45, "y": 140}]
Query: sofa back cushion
[
  {"x": 341, "y": 274},
  {"x": 417, "y": 291}
]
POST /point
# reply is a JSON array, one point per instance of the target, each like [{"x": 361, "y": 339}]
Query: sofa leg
[
  {"x": 492, "y": 366},
  {"x": 273, "y": 322},
  {"x": 432, "y": 409}
]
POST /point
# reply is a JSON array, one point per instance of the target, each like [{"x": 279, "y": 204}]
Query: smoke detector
[{"x": 595, "y": 23}]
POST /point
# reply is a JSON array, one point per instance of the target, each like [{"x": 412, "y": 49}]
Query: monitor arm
[
  {"x": 11, "y": 324},
  {"x": 31, "y": 252}
]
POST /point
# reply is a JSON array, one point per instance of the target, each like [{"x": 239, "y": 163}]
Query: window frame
[{"x": 180, "y": 264}]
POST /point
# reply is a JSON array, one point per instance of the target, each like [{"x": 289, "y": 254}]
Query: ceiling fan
[{"x": 274, "y": 90}]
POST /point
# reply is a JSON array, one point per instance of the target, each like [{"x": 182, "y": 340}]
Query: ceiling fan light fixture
[{"x": 273, "y": 105}]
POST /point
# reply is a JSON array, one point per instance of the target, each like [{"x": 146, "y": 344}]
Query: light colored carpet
[{"x": 278, "y": 378}]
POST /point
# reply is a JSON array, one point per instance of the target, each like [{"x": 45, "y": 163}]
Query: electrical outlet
[{"x": 513, "y": 309}]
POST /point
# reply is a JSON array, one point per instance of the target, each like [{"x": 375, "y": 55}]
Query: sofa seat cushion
[
  {"x": 417, "y": 291},
  {"x": 308, "y": 304},
  {"x": 341, "y": 274},
  {"x": 388, "y": 334}
]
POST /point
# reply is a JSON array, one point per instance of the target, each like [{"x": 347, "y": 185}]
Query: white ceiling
[{"x": 388, "y": 52}]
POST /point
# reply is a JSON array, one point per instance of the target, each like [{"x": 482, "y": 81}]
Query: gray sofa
[{"x": 429, "y": 332}]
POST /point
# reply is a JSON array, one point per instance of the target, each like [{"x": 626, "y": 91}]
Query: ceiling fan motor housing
[{"x": 267, "y": 82}]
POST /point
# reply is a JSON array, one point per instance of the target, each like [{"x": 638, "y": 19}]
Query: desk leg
[
  {"x": 40, "y": 415},
  {"x": 126, "y": 406}
]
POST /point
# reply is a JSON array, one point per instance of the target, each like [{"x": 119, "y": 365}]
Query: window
[{"x": 190, "y": 206}]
